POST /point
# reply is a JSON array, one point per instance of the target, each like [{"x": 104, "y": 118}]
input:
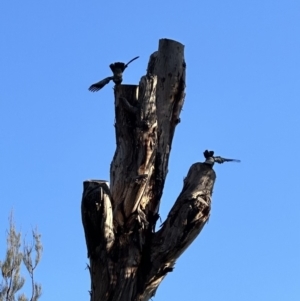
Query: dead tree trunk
[{"x": 128, "y": 259}]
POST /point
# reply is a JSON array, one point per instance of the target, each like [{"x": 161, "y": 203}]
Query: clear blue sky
[{"x": 242, "y": 101}]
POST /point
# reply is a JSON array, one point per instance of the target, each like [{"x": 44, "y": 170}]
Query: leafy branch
[{"x": 12, "y": 280}]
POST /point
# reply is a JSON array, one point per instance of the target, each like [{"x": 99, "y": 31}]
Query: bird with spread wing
[{"x": 117, "y": 69}]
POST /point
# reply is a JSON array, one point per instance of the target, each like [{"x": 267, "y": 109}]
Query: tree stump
[{"x": 128, "y": 259}]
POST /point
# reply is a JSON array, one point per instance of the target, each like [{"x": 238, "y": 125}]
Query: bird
[
  {"x": 211, "y": 159},
  {"x": 117, "y": 69}
]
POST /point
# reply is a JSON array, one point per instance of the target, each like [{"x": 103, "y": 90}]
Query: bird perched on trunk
[
  {"x": 117, "y": 69},
  {"x": 210, "y": 159}
]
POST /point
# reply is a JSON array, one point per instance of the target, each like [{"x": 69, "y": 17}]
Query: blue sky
[{"x": 242, "y": 101}]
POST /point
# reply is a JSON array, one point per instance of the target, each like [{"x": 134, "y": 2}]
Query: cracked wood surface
[{"x": 128, "y": 259}]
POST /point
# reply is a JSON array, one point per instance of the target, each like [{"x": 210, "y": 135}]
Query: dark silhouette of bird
[
  {"x": 117, "y": 69},
  {"x": 211, "y": 159}
]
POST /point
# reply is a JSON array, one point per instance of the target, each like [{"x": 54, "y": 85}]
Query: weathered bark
[{"x": 128, "y": 259}]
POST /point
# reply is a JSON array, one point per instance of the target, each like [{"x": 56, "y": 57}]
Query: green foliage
[{"x": 12, "y": 281}]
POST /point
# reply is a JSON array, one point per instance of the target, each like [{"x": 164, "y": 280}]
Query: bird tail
[
  {"x": 222, "y": 160},
  {"x": 131, "y": 61},
  {"x": 231, "y": 160}
]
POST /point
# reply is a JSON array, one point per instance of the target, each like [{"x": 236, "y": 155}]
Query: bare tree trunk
[{"x": 128, "y": 259}]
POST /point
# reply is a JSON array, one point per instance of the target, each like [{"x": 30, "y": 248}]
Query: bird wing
[{"x": 99, "y": 85}]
